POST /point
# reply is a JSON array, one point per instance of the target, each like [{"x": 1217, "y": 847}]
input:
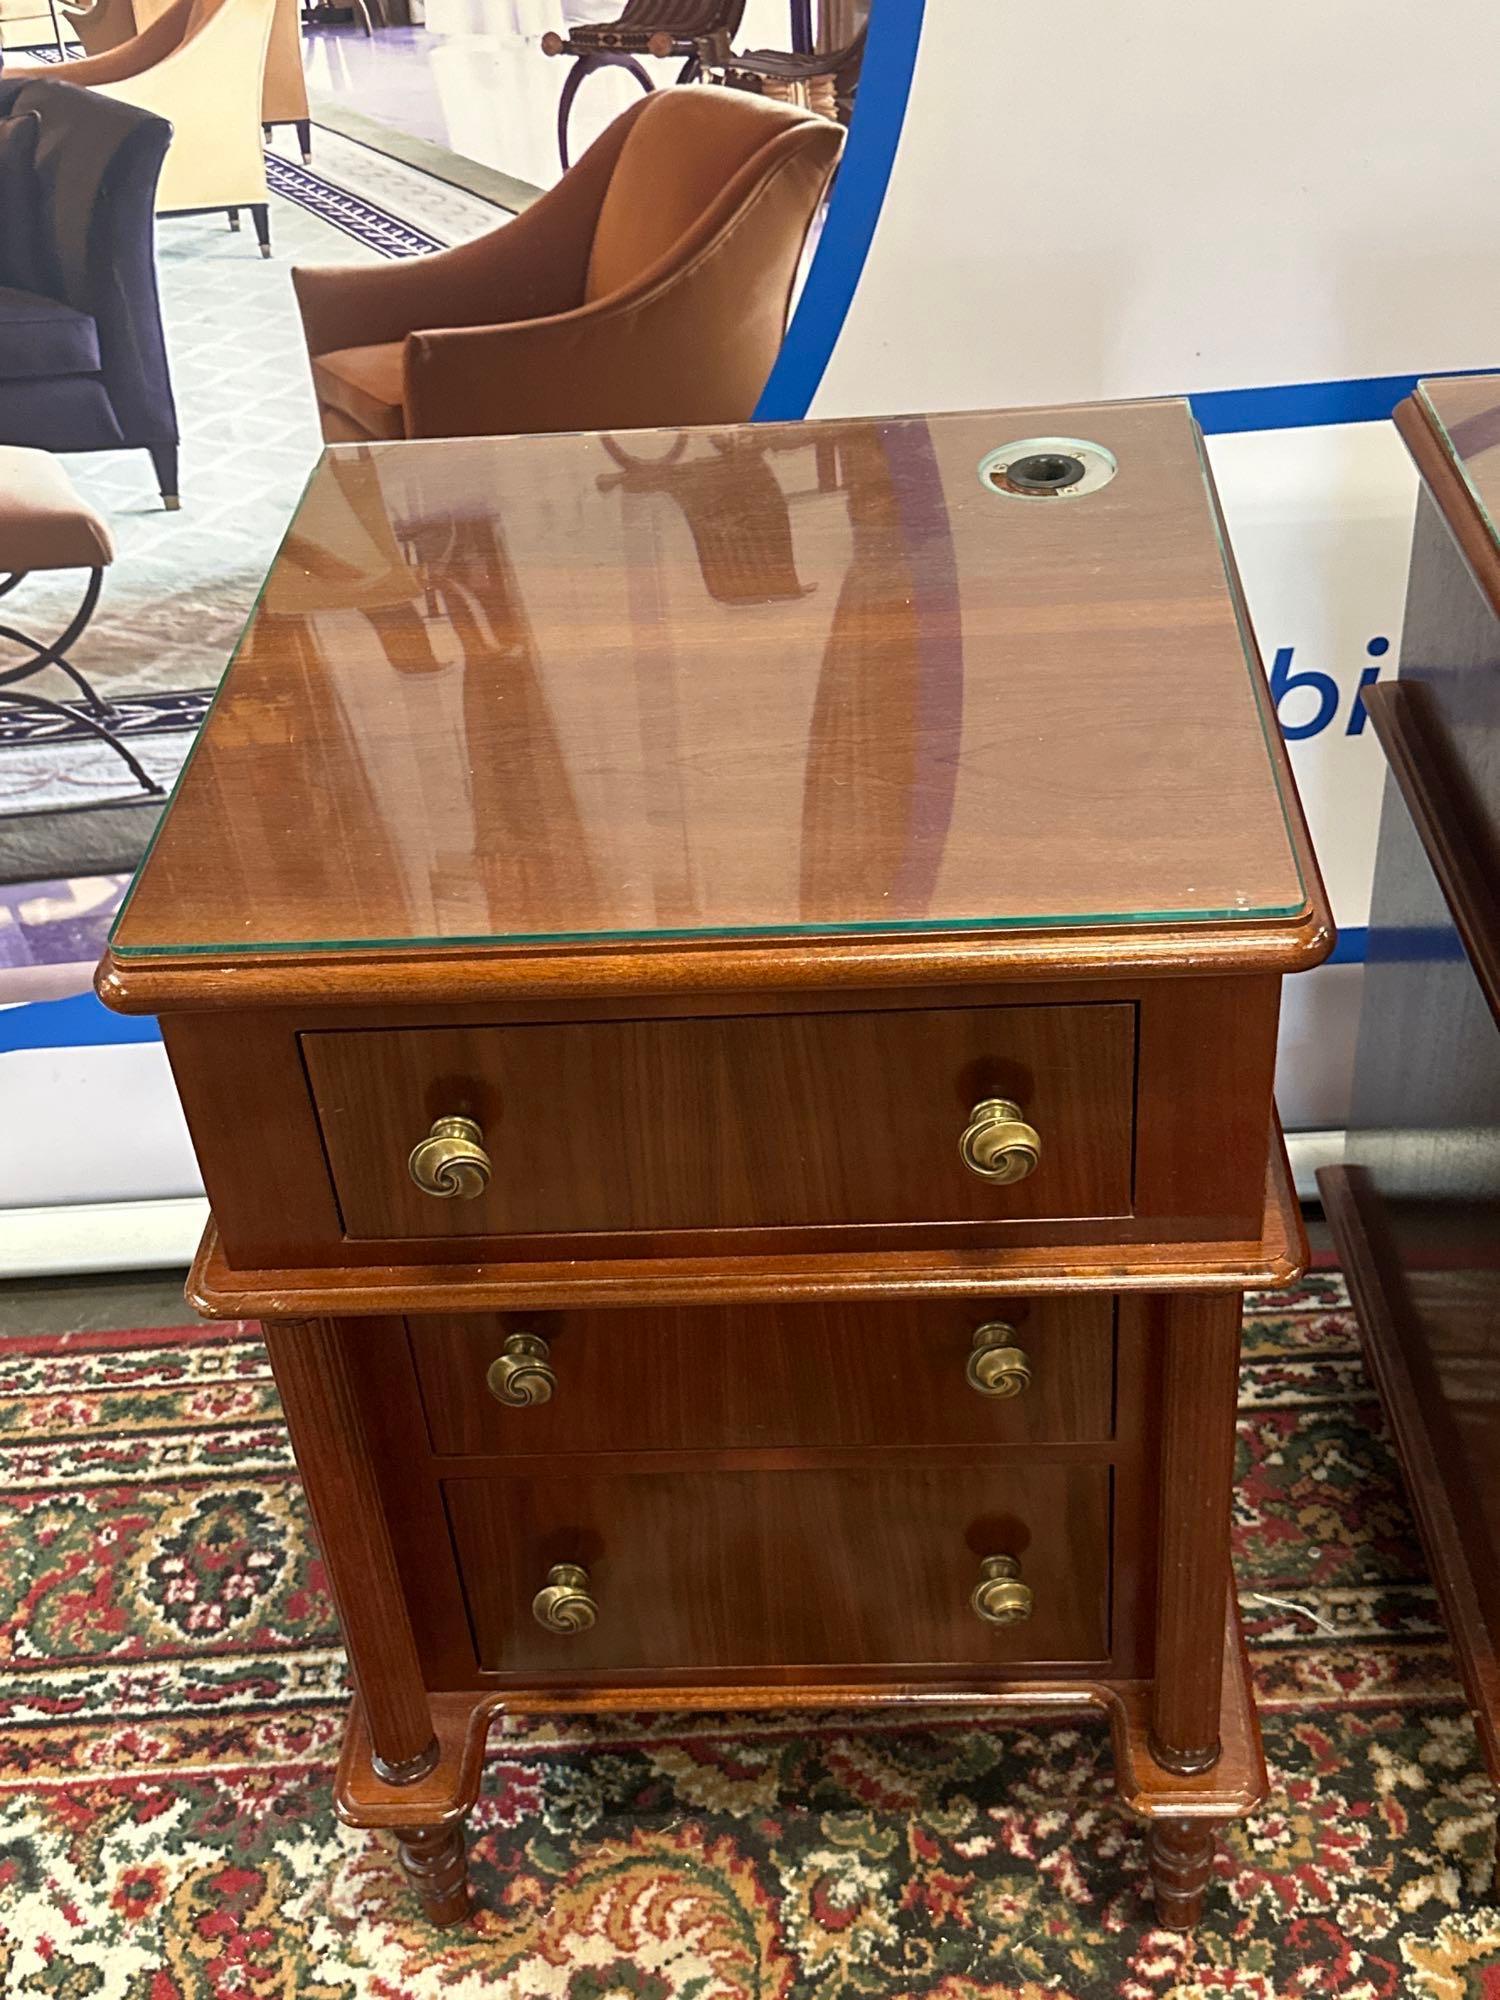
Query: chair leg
[
  {"x": 304, "y": 139},
  {"x": 265, "y": 133},
  {"x": 581, "y": 68},
  {"x": 585, "y": 65},
  {"x": 234, "y": 219},
  {"x": 25, "y": 699},
  {"x": 95, "y": 724},
  {"x": 56, "y": 654},
  {"x": 260, "y": 215},
  {"x": 164, "y": 458}
]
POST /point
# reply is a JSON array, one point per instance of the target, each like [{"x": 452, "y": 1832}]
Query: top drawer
[{"x": 729, "y": 1122}]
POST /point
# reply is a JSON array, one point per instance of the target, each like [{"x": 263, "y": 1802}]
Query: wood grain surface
[
  {"x": 462, "y": 1717},
  {"x": 740, "y": 1570},
  {"x": 590, "y": 692},
  {"x": 1415, "y": 1212},
  {"x": 1203, "y": 1060},
  {"x": 1151, "y": 1259},
  {"x": 1430, "y": 1342},
  {"x": 819, "y": 1375},
  {"x": 744, "y": 1123}
]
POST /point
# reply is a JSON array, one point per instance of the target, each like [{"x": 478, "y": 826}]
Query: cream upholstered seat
[
  {"x": 44, "y": 523},
  {"x": 200, "y": 65},
  {"x": 650, "y": 286},
  {"x": 105, "y": 24}
]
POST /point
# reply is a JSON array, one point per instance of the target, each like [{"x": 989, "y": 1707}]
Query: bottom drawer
[{"x": 722, "y": 1570}]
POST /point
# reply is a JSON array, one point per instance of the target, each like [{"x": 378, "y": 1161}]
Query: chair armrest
[
  {"x": 193, "y": 81},
  {"x": 691, "y": 343},
  {"x": 533, "y": 266},
  {"x": 118, "y": 64}
]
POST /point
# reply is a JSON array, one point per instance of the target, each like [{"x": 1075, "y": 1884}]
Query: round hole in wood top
[
  {"x": 1047, "y": 468},
  {"x": 1045, "y": 471}
]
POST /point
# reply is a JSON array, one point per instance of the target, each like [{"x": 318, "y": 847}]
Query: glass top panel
[
  {"x": 1466, "y": 411},
  {"x": 774, "y": 679}
]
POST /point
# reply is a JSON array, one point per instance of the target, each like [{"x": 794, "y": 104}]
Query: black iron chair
[
  {"x": 44, "y": 525},
  {"x": 823, "y": 80},
  {"x": 699, "y": 31}
]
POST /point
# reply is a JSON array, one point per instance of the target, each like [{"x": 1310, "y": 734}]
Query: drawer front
[
  {"x": 814, "y": 1376},
  {"x": 727, "y": 1570},
  {"x": 744, "y": 1122}
]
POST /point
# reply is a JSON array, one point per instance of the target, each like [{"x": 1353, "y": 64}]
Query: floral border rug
[{"x": 172, "y": 1696}]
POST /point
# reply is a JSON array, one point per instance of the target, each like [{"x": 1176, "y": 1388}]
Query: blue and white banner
[{"x": 1286, "y": 215}]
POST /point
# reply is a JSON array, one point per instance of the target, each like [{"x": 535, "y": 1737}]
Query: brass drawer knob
[
  {"x": 997, "y": 1367},
  {"x": 451, "y": 1162},
  {"x": 1000, "y": 1597},
  {"x": 998, "y": 1144},
  {"x": 519, "y": 1374},
  {"x": 565, "y": 1605}
]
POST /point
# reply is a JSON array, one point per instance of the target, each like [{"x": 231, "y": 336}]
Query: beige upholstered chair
[
  {"x": 200, "y": 65},
  {"x": 649, "y": 286},
  {"x": 102, "y": 25},
  {"x": 27, "y": 23}
]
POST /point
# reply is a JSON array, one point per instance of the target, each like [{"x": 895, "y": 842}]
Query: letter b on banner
[
  {"x": 1284, "y": 682},
  {"x": 1324, "y": 690}
]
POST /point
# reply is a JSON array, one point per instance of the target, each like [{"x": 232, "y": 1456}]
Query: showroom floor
[{"x": 475, "y": 81}]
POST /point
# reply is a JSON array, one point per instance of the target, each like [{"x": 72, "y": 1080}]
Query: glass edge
[
  {"x": 967, "y": 926},
  {"x": 111, "y": 942},
  {"x": 1123, "y": 920},
  {"x": 1456, "y": 459},
  {"x": 1260, "y": 687}
]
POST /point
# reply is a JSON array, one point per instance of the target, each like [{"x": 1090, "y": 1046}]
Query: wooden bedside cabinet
[
  {"x": 1415, "y": 1212},
  {"x": 724, "y": 985}
]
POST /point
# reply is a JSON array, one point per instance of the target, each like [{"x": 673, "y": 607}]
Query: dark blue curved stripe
[
  {"x": 1289, "y": 406},
  {"x": 874, "y": 134},
  {"x": 79, "y": 1022}
]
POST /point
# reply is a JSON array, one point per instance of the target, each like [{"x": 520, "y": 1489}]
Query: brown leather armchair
[{"x": 649, "y": 286}]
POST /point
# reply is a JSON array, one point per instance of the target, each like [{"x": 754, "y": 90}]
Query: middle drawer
[{"x": 917, "y": 1372}]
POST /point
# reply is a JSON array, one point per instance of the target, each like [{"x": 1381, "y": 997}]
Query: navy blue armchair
[{"x": 83, "y": 365}]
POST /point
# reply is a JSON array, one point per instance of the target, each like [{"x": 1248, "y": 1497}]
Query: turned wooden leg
[
  {"x": 1181, "y": 1853},
  {"x": 436, "y": 1863},
  {"x": 1200, "y": 1392}
]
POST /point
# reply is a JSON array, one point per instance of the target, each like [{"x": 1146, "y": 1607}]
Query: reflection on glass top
[
  {"x": 1466, "y": 412},
  {"x": 767, "y": 680}
]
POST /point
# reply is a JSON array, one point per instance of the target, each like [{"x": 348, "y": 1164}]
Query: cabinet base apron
[{"x": 427, "y": 1817}]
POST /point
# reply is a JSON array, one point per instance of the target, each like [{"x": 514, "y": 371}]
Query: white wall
[{"x": 1100, "y": 200}]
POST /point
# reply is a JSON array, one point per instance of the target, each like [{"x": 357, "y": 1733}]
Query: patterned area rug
[{"x": 174, "y": 1695}]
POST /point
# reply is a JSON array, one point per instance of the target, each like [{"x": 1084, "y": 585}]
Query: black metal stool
[
  {"x": 700, "y": 31},
  {"x": 44, "y": 525}
]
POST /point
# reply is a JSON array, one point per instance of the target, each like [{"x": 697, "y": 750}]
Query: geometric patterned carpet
[{"x": 172, "y": 1696}]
